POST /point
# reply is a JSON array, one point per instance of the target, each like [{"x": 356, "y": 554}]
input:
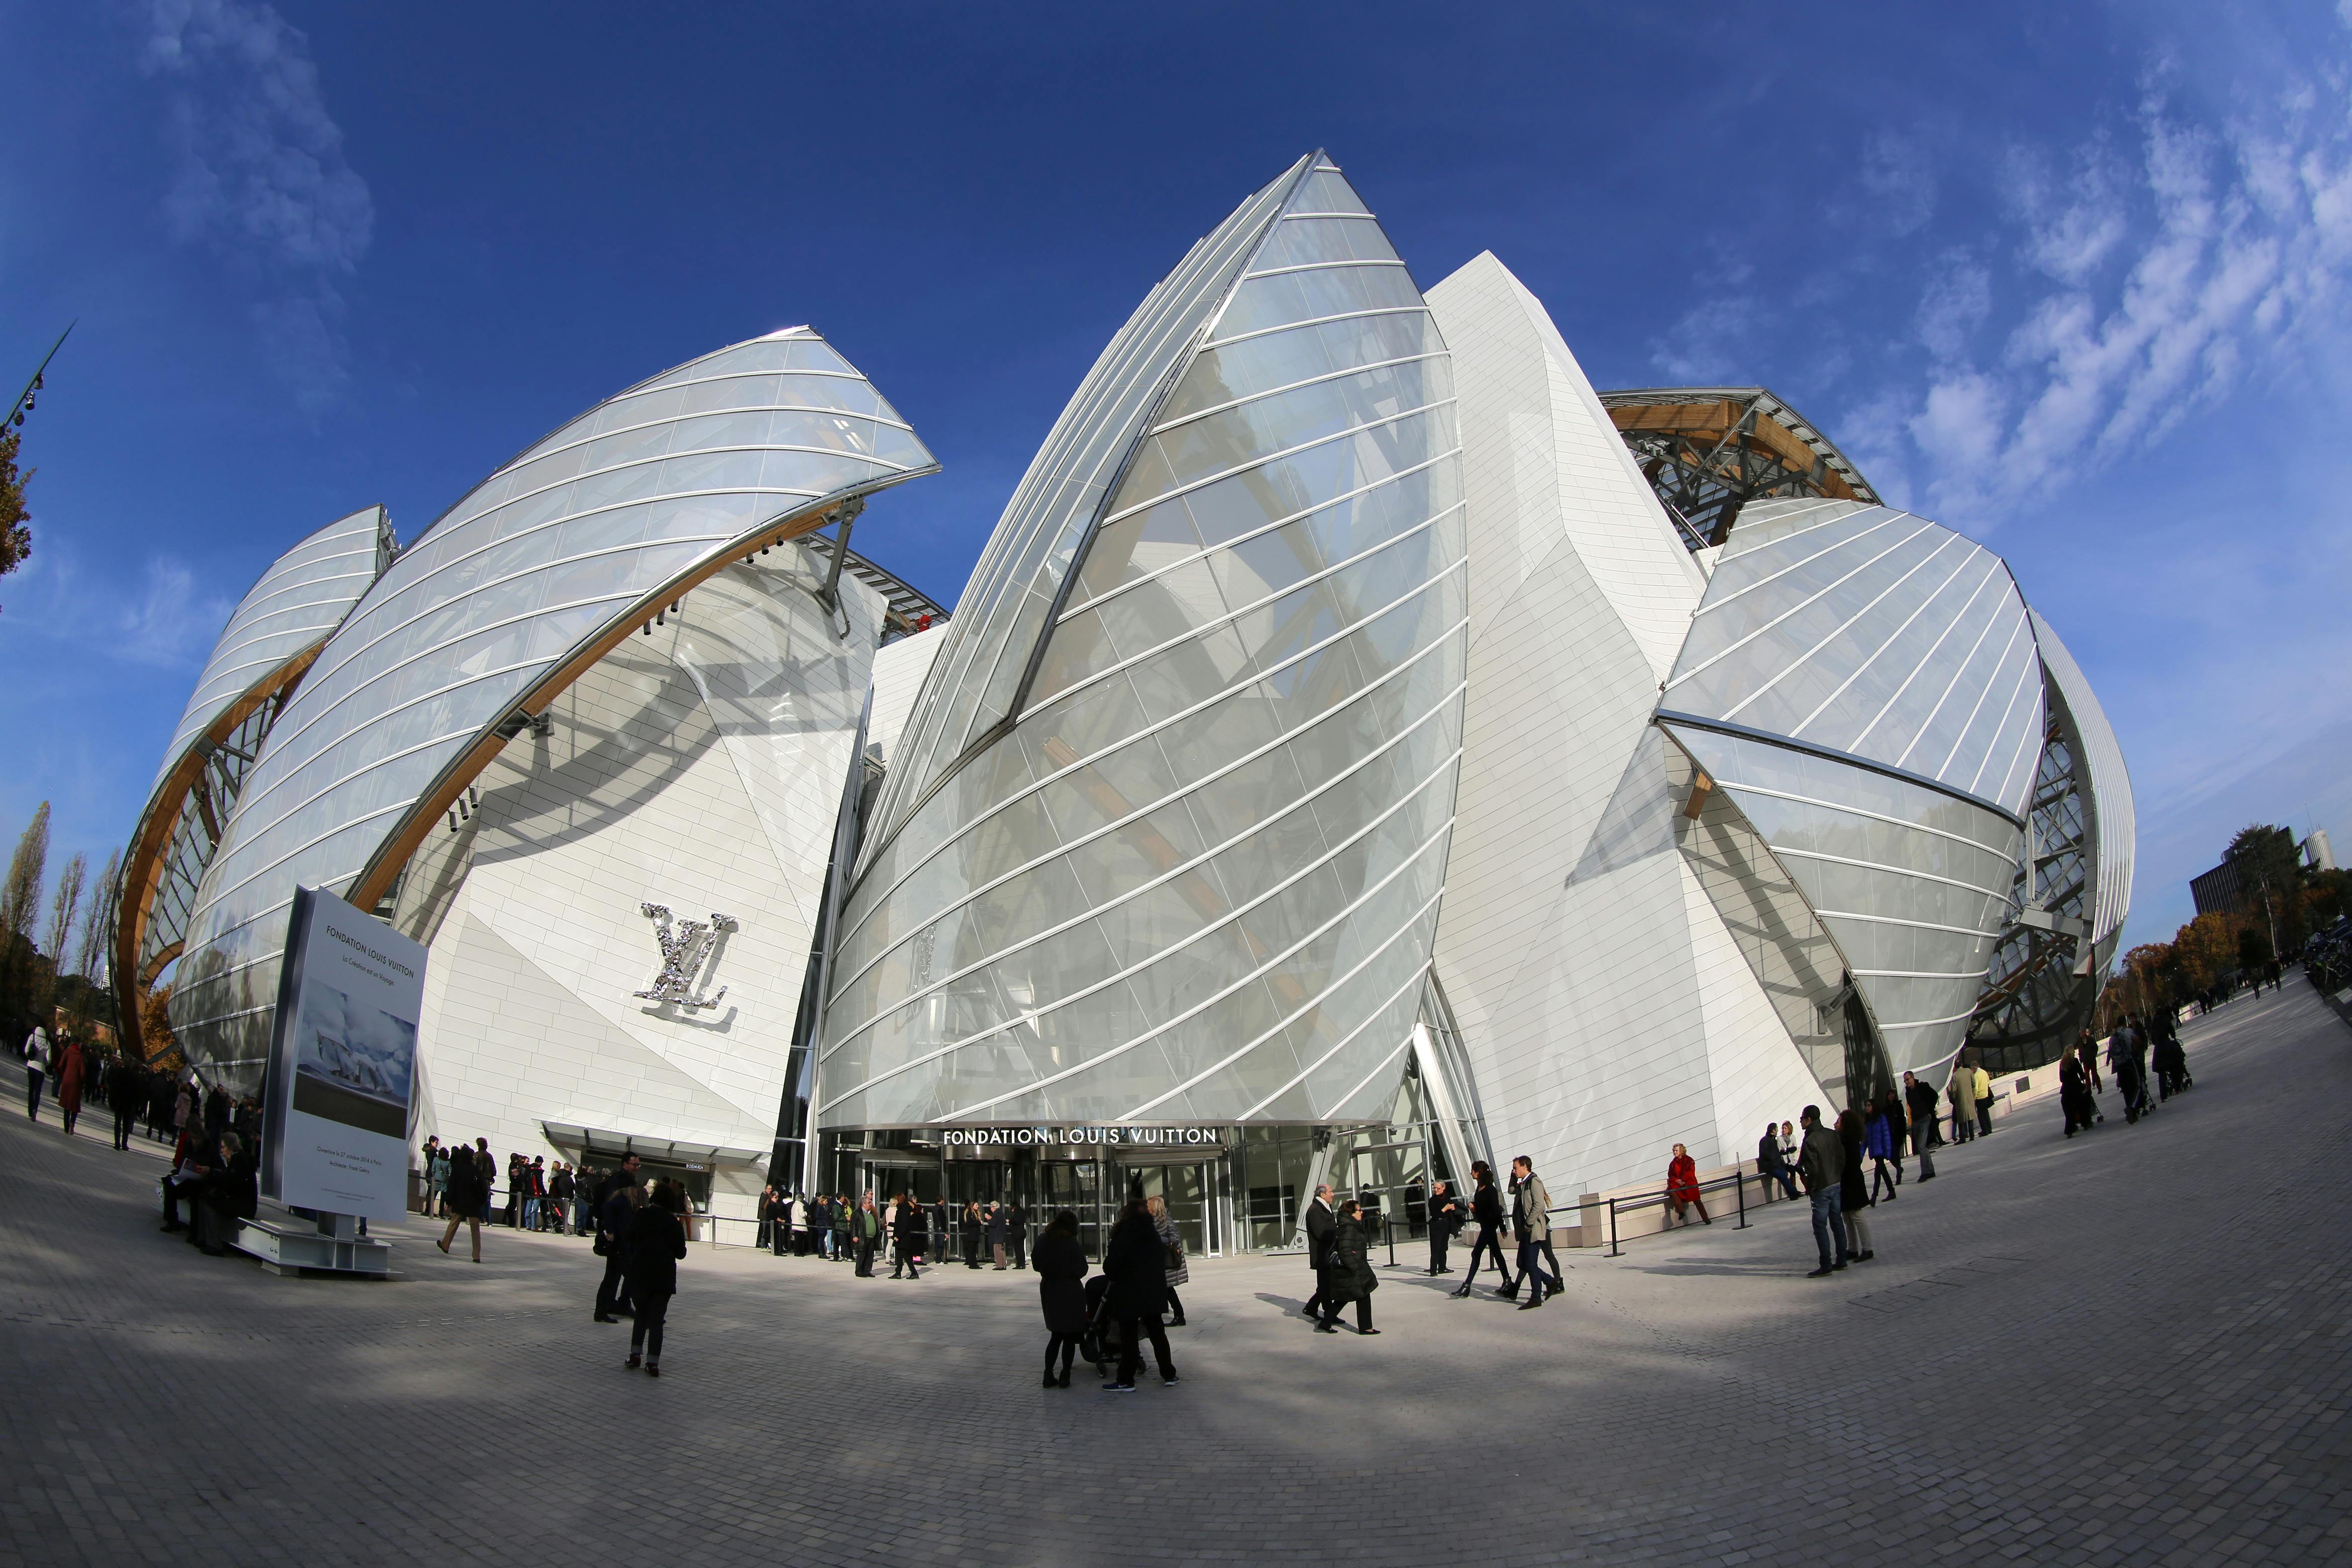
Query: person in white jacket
[{"x": 39, "y": 1052}]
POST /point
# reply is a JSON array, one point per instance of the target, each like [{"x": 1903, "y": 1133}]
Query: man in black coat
[
  {"x": 1920, "y": 1098},
  {"x": 1321, "y": 1220},
  {"x": 1016, "y": 1229},
  {"x": 1444, "y": 1219}
]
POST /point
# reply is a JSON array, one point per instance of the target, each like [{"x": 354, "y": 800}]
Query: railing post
[
  {"x": 1612, "y": 1229},
  {"x": 1740, "y": 1180}
]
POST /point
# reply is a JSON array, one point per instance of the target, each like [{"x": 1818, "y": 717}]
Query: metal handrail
[{"x": 1737, "y": 1181}]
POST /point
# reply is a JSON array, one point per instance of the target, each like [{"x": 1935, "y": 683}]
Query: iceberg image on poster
[{"x": 351, "y": 1063}]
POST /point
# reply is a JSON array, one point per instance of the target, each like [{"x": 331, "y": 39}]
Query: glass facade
[
  {"x": 1195, "y": 878},
  {"x": 1912, "y": 883},
  {"x": 538, "y": 561},
  {"x": 263, "y": 651},
  {"x": 1871, "y": 632}
]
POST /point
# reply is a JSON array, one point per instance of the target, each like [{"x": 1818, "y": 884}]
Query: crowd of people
[
  {"x": 833, "y": 1226},
  {"x": 1841, "y": 1168}
]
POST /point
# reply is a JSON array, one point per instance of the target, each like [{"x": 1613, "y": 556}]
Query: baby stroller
[{"x": 1101, "y": 1344}]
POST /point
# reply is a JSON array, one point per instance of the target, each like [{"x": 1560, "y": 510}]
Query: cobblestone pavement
[{"x": 2127, "y": 1348}]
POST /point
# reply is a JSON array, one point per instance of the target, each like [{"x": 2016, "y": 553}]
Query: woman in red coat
[
  {"x": 1682, "y": 1190},
  {"x": 72, "y": 1067}
]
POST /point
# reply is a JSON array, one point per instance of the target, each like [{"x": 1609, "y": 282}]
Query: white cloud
[
  {"x": 259, "y": 175},
  {"x": 151, "y": 615},
  {"x": 1711, "y": 345},
  {"x": 169, "y": 624},
  {"x": 1899, "y": 185},
  {"x": 1955, "y": 304},
  {"x": 2142, "y": 292}
]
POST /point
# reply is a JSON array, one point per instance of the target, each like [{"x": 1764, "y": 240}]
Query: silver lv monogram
[{"x": 684, "y": 952}]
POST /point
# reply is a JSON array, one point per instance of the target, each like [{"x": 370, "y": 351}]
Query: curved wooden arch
[
  {"x": 151, "y": 843},
  {"x": 375, "y": 879}
]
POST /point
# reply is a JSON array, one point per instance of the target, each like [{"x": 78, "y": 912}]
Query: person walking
[
  {"x": 1771, "y": 1167},
  {"x": 1322, "y": 1218},
  {"x": 1016, "y": 1233},
  {"x": 1853, "y": 1194},
  {"x": 993, "y": 1226},
  {"x": 1138, "y": 1268},
  {"x": 1444, "y": 1222},
  {"x": 1682, "y": 1191},
  {"x": 1879, "y": 1142},
  {"x": 1820, "y": 1163},
  {"x": 2074, "y": 1093},
  {"x": 126, "y": 1088},
  {"x": 468, "y": 1201},
  {"x": 1531, "y": 1227},
  {"x": 1958, "y": 1092},
  {"x": 617, "y": 1201},
  {"x": 909, "y": 1231},
  {"x": 2120, "y": 1063},
  {"x": 1981, "y": 1089},
  {"x": 1920, "y": 1101},
  {"x": 1171, "y": 1243},
  {"x": 1348, "y": 1272},
  {"x": 865, "y": 1235},
  {"x": 1061, "y": 1264},
  {"x": 653, "y": 1244},
  {"x": 38, "y": 1050},
  {"x": 72, "y": 1067},
  {"x": 1487, "y": 1209}
]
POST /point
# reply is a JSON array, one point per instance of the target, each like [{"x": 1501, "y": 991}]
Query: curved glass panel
[
  {"x": 1912, "y": 883},
  {"x": 304, "y": 595},
  {"x": 1872, "y": 632},
  {"x": 1198, "y": 877},
  {"x": 533, "y": 564},
  {"x": 1003, "y": 609},
  {"x": 2101, "y": 777}
]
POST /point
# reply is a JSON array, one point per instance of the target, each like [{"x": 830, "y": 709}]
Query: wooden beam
[
  {"x": 375, "y": 877},
  {"x": 143, "y": 874}
]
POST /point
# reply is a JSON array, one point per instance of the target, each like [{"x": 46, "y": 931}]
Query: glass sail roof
[{"x": 539, "y": 560}]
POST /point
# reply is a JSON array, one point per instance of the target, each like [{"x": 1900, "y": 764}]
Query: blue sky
[{"x": 2072, "y": 279}]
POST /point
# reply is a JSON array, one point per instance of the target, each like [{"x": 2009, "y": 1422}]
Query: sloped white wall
[{"x": 1577, "y": 998}]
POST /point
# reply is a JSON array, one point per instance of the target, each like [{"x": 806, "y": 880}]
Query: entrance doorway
[{"x": 1196, "y": 1198}]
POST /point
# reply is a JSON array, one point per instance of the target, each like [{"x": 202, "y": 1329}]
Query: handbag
[{"x": 1174, "y": 1258}]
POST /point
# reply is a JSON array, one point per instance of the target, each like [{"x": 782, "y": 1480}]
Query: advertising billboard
[{"x": 342, "y": 1062}]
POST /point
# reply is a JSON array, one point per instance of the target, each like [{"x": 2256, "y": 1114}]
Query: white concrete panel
[
  {"x": 899, "y": 671},
  {"x": 1571, "y": 479},
  {"x": 1574, "y": 992},
  {"x": 787, "y": 694}
]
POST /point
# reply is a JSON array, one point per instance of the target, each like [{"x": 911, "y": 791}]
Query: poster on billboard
[{"x": 342, "y": 1062}]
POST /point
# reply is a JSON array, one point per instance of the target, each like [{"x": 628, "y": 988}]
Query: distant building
[
  {"x": 2317, "y": 853},
  {"x": 2223, "y": 891}
]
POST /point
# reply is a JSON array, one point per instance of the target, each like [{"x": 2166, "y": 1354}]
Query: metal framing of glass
[
  {"x": 2073, "y": 882},
  {"x": 508, "y": 597},
  {"x": 1194, "y": 879},
  {"x": 266, "y": 647}
]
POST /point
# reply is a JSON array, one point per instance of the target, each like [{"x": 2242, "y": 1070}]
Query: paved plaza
[{"x": 2128, "y": 1348}]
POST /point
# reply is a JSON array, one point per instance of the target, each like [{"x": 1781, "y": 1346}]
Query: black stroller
[{"x": 1101, "y": 1344}]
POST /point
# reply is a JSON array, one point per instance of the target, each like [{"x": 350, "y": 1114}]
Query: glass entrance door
[{"x": 1191, "y": 1195}]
